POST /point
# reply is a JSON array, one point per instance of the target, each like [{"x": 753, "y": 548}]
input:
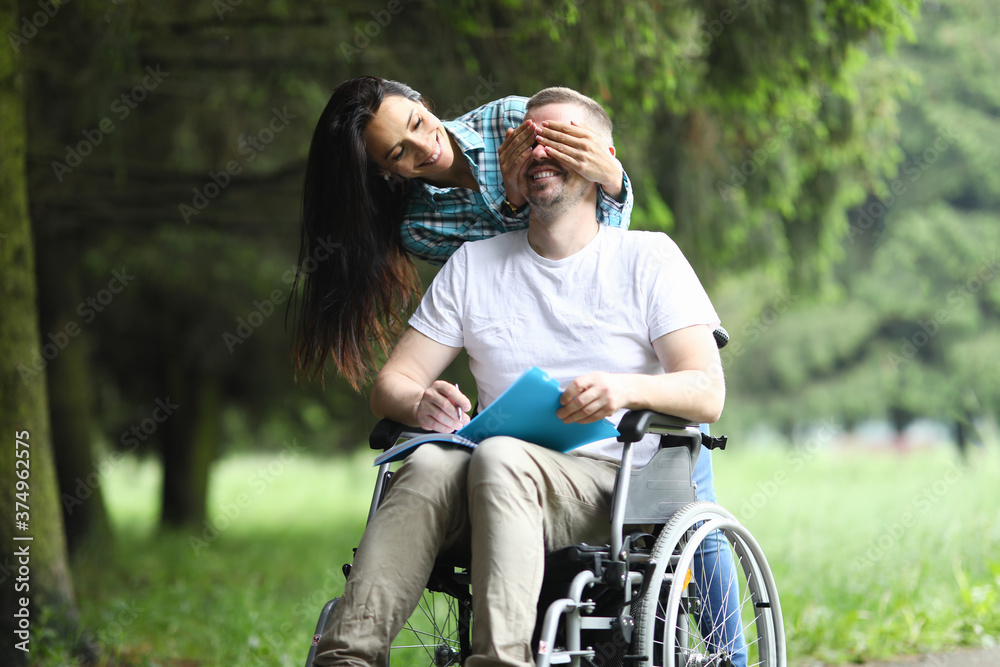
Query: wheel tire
[{"x": 680, "y": 608}]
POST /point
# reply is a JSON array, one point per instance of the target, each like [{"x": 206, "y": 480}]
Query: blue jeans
[{"x": 715, "y": 575}]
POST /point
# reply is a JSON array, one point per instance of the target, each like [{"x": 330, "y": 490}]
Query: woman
[{"x": 385, "y": 178}]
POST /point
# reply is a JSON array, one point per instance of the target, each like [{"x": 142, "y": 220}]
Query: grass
[
  {"x": 875, "y": 554},
  {"x": 246, "y": 587}
]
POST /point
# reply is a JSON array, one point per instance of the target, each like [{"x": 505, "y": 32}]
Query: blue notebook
[{"x": 526, "y": 410}]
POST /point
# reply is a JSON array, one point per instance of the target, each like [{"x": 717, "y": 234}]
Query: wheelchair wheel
[
  {"x": 680, "y": 624},
  {"x": 437, "y": 633}
]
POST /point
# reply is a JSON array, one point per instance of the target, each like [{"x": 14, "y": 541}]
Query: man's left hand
[
  {"x": 581, "y": 149},
  {"x": 591, "y": 397}
]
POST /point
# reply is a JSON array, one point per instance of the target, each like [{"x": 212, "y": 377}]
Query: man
[{"x": 618, "y": 316}]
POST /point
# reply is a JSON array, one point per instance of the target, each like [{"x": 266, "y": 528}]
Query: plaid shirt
[{"x": 439, "y": 220}]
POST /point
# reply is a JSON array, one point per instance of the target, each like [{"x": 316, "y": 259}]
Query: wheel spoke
[{"x": 431, "y": 636}]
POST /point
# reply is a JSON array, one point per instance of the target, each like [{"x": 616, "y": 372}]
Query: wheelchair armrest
[
  {"x": 387, "y": 432},
  {"x": 637, "y": 423}
]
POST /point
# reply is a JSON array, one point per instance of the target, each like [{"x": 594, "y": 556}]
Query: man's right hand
[{"x": 443, "y": 408}]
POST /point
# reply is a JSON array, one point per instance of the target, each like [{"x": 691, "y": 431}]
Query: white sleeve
[
  {"x": 441, "y": 313},
  {"x": 675, "y": 296}
]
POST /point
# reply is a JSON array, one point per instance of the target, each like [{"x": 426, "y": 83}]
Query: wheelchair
[{"x": 641, "y": 599}]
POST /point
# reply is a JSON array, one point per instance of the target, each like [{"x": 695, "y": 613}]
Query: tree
[
  {"x": 750, "y": 127},
  {"x": 35, "y": 575},
  {"x": 156, "y": 145},
  {"x": 911, "y": 332}
]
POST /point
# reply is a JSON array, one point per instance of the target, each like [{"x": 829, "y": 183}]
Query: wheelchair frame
[{"x": 655, "y": 621}]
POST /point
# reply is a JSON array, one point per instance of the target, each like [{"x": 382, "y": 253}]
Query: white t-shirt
[{"x": 597, "y": 310}]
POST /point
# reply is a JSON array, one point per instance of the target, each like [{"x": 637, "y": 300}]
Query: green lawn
[{"x": 875, "y": 554}]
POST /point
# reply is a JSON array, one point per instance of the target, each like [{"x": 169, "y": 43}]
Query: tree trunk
[
  {"x": 35, "y": 573},
  {"x": 69, "y": 394},
  {"x": 189, "y": 446}
]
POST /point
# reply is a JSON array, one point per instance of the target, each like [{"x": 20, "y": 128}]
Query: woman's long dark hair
[{"x": 358, "y": 283}]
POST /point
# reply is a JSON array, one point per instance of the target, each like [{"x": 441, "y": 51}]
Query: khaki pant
[{"x": 507, "y": 503}]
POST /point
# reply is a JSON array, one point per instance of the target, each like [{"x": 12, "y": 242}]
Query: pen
[{"x": 457, "y": 406}]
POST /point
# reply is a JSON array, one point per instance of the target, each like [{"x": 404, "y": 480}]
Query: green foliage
[
  {"x": 695, "y": 91},
  {"x": 763, "y": 117},
  {"x": 909, "y": 326}
]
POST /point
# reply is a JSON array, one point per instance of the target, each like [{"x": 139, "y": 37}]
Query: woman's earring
[{"x": 392, "y": 180}]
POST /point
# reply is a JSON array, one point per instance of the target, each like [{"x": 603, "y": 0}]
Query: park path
[{"x": 965, "y": 658}]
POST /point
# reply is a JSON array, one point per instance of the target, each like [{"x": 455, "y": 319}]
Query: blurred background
[{"x": 829, "y": 167}]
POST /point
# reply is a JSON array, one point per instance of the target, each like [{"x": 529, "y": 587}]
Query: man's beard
[{"x": 549, "y": 202}]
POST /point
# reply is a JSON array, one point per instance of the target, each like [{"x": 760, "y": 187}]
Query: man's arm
[
  {"x": 693, "y": 386},
  {"x": 407, "y": 388}
]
